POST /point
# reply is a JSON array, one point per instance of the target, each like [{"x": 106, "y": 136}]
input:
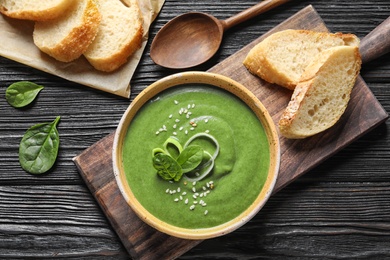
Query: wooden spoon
[{"x": 193, "y": 38}]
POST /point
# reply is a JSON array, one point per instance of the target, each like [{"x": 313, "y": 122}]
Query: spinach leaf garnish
[
  {"x": 22, "y": 93},
  {"x": 39, "y": 146},
  {"x": 167, "y": 167},
  {"x": 190, "y": 158}
]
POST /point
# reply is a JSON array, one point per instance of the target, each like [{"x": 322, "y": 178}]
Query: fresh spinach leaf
[
  {"x": 22, "y": 93},
  {"x": 167, "y": 167},
  {"x": 190, "y": 158},
  {"x": 38, "y": 149}
]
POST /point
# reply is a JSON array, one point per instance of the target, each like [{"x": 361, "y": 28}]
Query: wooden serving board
[{"x": 364, "y": 113}]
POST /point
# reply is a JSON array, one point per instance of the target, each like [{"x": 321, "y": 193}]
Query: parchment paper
[{"x": 16, "y": 43}]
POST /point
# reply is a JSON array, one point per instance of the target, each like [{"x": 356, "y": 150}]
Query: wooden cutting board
[{"x": 364, "y": 113}]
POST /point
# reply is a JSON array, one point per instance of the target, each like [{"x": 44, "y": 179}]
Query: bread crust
[
  {"x": 304, "y": 93},
  {"x": 260, "y": 59},
  {"x": 118, "y": 54},
  {"x": 79, "y": 38},
  {"x": 44, "y": 14}
]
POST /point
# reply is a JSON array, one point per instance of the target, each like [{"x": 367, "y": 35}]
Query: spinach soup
[{"x": 196, "y": 156}]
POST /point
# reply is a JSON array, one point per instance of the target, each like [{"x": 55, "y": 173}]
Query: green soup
[{"x": 240, "y": 169}]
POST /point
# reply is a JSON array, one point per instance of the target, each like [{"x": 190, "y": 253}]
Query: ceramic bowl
[{"x": 218, "y": 81}]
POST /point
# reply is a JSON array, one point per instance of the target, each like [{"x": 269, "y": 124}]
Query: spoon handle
[
  {"x": 251, "y": 12},
  {"x": 376, "y": 43}
]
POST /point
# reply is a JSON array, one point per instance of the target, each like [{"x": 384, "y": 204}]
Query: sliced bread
[
  {"x": 282, "y": 57},
  {"x": 119, "y": 36},
  {"x": 322, "y": 94},
  {"x": 67, "y": 37},
  {"x": 37, "y": 10}
]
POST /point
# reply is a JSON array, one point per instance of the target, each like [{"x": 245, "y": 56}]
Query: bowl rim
[{"x": 243, "y": 94}]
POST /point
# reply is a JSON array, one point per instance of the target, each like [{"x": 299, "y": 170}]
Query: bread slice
[
  {"x": 67, "y": 37},
  {"x": 282, "y": 57},
  {"x": 322, "y": 94},
  {"x": 37, "y": 10},
  {"x": 119, "y": 36}
]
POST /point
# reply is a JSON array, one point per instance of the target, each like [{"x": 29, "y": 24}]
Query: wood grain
[{"x": 297, "y": 156}]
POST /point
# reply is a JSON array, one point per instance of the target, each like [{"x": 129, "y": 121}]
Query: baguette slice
[
  {"x": 119, "y": 36},
  {"x": 322, "y": 94},
  {"x": 67, "y": 37},
  {"x": 36, "y": 10},
  {"x": 282, "y": 57}
]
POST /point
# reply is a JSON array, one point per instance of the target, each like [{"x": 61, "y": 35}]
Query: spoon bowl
[
  {"x": 193, "y": 38},
  {"x": 186, "y": 41}
]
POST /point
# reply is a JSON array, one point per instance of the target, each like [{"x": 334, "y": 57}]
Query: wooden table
[{"x": 339, "y": 209}]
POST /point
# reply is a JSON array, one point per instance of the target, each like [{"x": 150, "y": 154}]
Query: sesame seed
[
  {"x": 176, "y": 102},
  {"x": 181, "y": 128},
  {"x": 157, "y": 132},
  {"x": 194, "y": 183},
  {"x": 181, "y": 197},
  {"x": 206, "y": 212},
  {"x": 170, "y": 116},
  {"x": 192, "y": 129},
  {"x": 192, "y": 207},
  {"x": 174, "y": 126},
  {"x": 176, "y": 200},
  {"x": 195, "y": 196},
  {"x": 178, "y": 189},
  {"x": 177, "y": 120},
  {"x": 174, "y": 133},
  {"x": 195, "y": 202},
  {"x": 206, "y": 120},
  {"x": 185, "y": 111},
  {"x": 189, "y": 106},
  {"x": 207, "y": 131},
  {"x": 186, "y": 201},
  {"x": 186, "y": 132},
  {"x": 167, "y": 190},
  {"x": 193, "y": 189},
  {"x": 184, "y": 193},
  {"x": 204, "y": 188},
  {"x": 193, "y": 105}
]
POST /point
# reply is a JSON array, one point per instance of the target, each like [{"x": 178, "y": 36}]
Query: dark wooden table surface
[{"x": 340, "y": 209}]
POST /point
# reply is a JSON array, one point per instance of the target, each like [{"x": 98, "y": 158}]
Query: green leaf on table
[
  {"x": 190, "y": 158},
  {"x": 167, "y": 167},
  {"x": 38, "y": 149},
  {"x": 22, "y": 93}
]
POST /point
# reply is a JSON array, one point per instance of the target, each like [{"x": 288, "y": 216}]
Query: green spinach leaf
[
  {"x": 38, "y": 149},
  {"x": 167, "y": 167},
  {"x": 22, "y": 93},
  {"x": 190, "y": 158}
]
